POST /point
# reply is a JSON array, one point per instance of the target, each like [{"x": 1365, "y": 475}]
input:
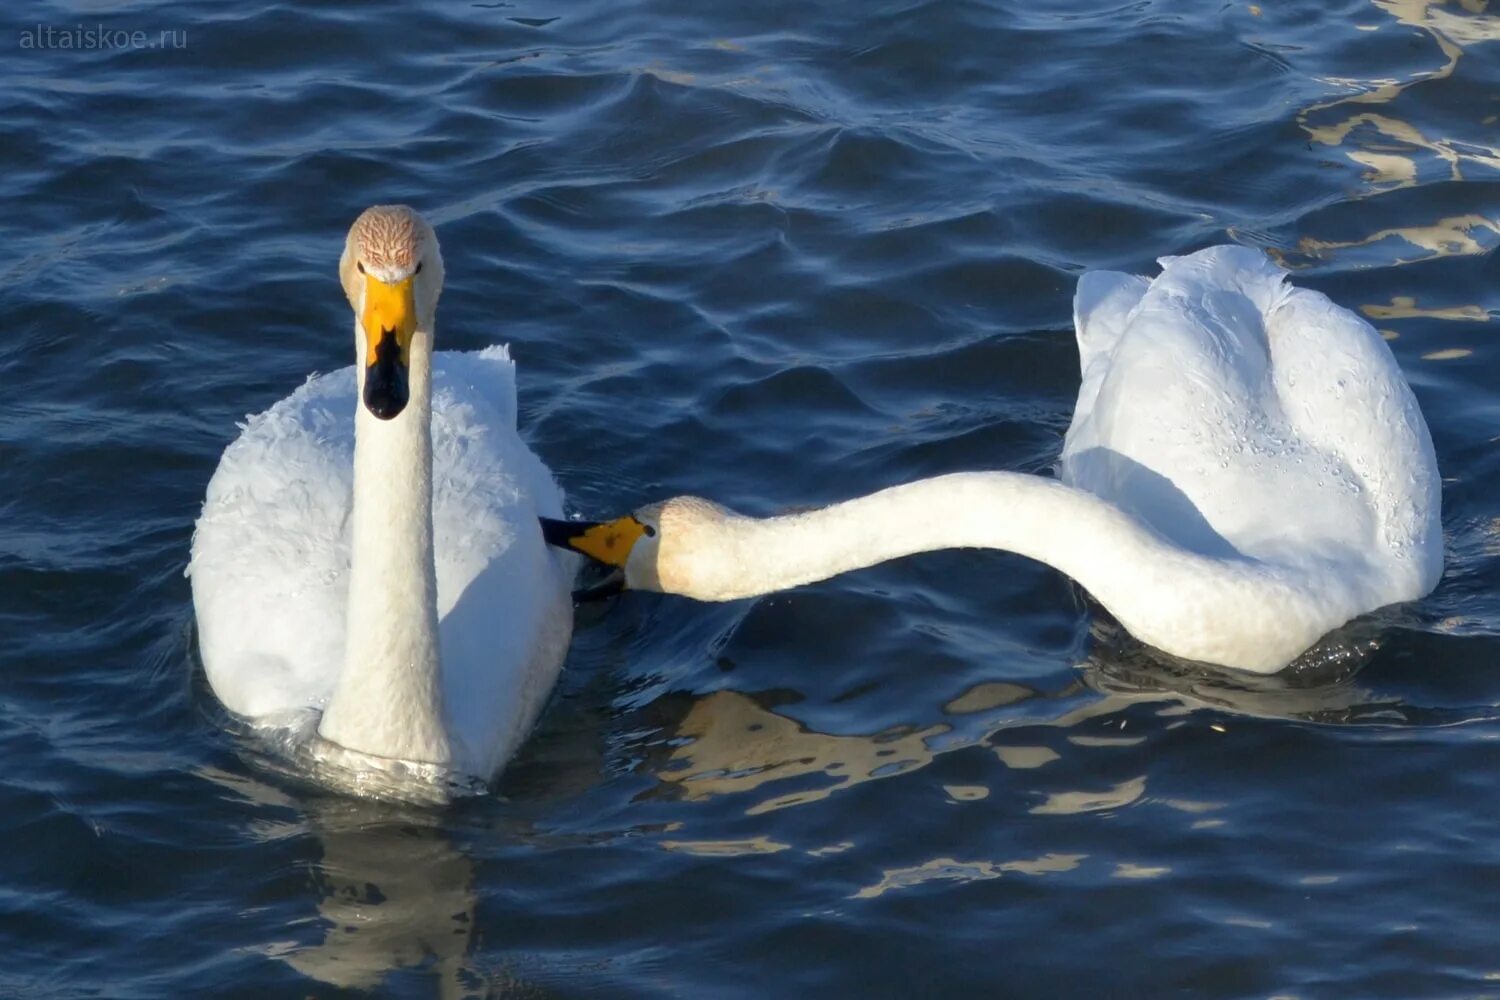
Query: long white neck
[
  {"x": 389, "y": 698},
  {"x": 1235, "y": 612}
]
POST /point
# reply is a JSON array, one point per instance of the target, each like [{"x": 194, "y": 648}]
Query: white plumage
[
  {"x": 1246, "y": 470},
  {"x": 1260, "y": 424},
  {"x": 270, "y": 562},
  {"x": 1239, "y": 416},
  {"x": 275, "y": 550}
]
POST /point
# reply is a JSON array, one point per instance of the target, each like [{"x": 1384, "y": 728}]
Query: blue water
[{"x": 776, "y": 254}]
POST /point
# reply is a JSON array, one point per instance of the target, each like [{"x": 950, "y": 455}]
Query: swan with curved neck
[
  {"x": 368, "y": 546},
  {"x": 1246, "y": 470}
]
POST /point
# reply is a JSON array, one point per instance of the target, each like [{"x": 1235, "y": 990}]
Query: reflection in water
[
  {"x": 731, "y": 743},
  {"x": 725, "y": 848},
  {"x": 393, "y": 891},
  {"x": 1393, "y": 151},
  {"x": 1453, "y": 236},
  {"x": 1128, "y": 870},
  {"x": 737, "y": 746},
  {"x": 967, "y": 871},
  {"x": 1448, "y": 354},
  {"x": 966, "y": 793},
  {"x": 1025, "y": 758},
  {"x": 1405, "y": 307},
  {"x": 1387, "y": 168},
  {"x": 1318, "y": 686},
  {"x": 396, "y": 894},
  {"x": 1072, "y": 803},
  {"x": 1452, "y": 32}
]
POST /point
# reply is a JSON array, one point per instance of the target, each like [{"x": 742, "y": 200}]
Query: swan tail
[
  {"x": 1342, "y": 391},
  {"x": 1226, "y": 268},
  {"x": 1102, "y": 309}
]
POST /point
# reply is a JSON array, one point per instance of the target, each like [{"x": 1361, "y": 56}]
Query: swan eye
[
  {"x": 361, "y": 265},
  {"x": 418, "y": 268},
  {"x": 650, "y": 531}
]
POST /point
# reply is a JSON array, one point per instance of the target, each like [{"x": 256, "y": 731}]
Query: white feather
[
  {"x": 271, "y": 556},
  {"x": 1246, "y": 470}
]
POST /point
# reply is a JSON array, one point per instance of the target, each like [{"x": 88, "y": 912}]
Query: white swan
[
  {"x": 368, "y": 546},
  {"x": 1246, "y": 470}
]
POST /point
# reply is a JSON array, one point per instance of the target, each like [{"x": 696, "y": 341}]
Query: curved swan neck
[
  {"x": 389, "y": 697},
  {"x": 1070, "y": 530},
  {"x": 1165, "y": 595}
]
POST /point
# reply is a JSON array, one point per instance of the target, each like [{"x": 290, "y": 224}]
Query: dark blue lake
[{"x": 776, "y": 254}]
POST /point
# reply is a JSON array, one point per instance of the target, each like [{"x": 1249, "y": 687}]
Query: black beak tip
[
  {"x": 385, "y": 409},
  {"x": 386, "y": 393},
  {"x": 387, "y": 390},
  {"x": 560, "y": 533}
]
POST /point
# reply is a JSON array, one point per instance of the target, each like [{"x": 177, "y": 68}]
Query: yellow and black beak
[
  {"x": 606, "y": 542},
  {"x": 389, "y": 320}
]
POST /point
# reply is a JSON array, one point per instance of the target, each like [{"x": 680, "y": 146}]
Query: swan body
[
  {"x": 1246, "y": 470},
  {"x": 385, "y": 574}
]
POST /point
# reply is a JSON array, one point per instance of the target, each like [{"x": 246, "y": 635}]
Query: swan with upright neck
[
  {"x": 367, "y": 558},
  {"x": 1246, "y": 470}
]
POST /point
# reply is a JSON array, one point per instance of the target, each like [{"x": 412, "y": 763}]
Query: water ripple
[{"x": 775, "y": 254}]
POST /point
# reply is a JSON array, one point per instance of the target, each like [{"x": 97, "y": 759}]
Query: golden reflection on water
[
  {"x": 831, "y": 849},
  {"x": 1392, "y": 150},
  {"x": 1025, "y": 758},
  {"x": 1132, "y": 871},
  {"x": 1106, "y": 741},
  {"x": 1405, "y": 307},
  {"x": 1452, "y": 33},
  {"x": 967, "y": 871},
  {"x": 737, "y": 746},
  {"x": 1387, "y": 166},
  {"x": 730, "y": 744},
  {"x": 726, "y": 848},
  {"x": 1454, "y": 236},
  {"x": 1072, "y": 803},
  {"x": 966, "y": 793},
  {"x": 987, "y": 695},
  {"x": 1192, "y": 806}
]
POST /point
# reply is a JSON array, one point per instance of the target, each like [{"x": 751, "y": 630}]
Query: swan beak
[
  {"x": 389, "y": 320},
  {"x": 608, "y": 542}
]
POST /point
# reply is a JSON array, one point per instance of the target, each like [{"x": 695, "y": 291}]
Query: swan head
[
  {"x": 686, "y": 546},
  {"x": 392, "y": 272}
]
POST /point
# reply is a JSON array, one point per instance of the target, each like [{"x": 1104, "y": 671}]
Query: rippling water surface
[{"x": 774, "y": 253}]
